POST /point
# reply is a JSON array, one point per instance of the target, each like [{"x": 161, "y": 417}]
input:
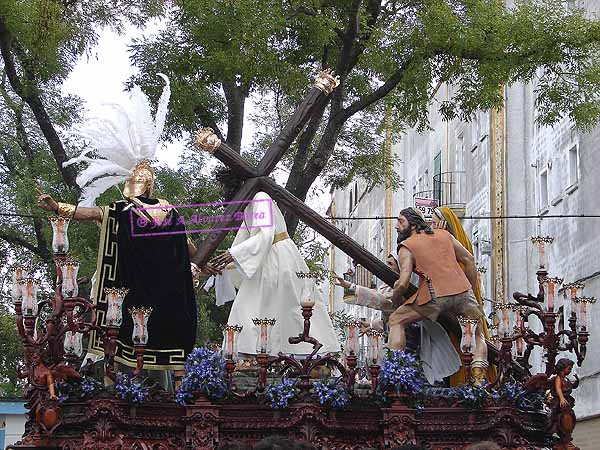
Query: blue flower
[
  {"x": 332, "y": 394},
  {"x": 401, "y": 373},
  {"x": 130, "y": 390},
  {"x": 472, "y": 397},
  {"x": 205, "y": 371},
  {"x": 281, "y": 394},
  {"x": 78, "y": 390}
]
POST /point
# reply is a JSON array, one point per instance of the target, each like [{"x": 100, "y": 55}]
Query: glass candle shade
[
  {"x": 504, "y": 314},
  {"x": 263, "y": 342},
  {"x": 469, "y": 329},
  {"x": 29, "y": 290},
  {"x": 230, "y": 346},
  {"x": 574, "y": 290},
  {"x": 550, "y": 285},
  {"x": 582, "y": 311},
  {"x": 520, "y": 346},
  {"x": 60, "y": 239},
  {"x": 140, "y": 318},
  {"x": 493, "y": 330},
  {"x": 69, "y": 268},
  {"x": 375, "y": 348},
  {"x": 73, "y": 343},
  {"x": 114, "y": 299},
  {"x": 541, "y": 242},
  {"x": 18, "y": 273},
  {"x": 352, "y": 329}
]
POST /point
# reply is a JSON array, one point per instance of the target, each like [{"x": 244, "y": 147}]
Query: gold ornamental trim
[
  {"x": 326, "y": 81},
  {"x": 207, "y": 140}
]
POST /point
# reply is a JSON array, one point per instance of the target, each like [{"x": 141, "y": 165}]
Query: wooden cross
[{"x": 257, "y": 179}]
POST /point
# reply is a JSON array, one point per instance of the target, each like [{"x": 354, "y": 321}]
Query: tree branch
[
  {"x": 16, "y": 240},
  {"x": 377, "y": 94},
  {"x": 30, "y": 95}
]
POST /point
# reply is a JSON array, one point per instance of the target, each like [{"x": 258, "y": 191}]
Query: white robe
[{"x": 269, "y": 287}]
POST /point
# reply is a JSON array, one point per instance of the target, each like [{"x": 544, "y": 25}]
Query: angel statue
[
  {"x": 143, "y": 245},
  {"x": 560, "y": 401},
  {"x": 45, "y": 413}
]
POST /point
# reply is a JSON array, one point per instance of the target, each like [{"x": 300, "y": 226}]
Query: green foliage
[
  {"x": 11, "y": 355},
  {"x": 388, "y": 54}
]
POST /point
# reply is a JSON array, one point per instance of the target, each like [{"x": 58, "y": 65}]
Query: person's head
[
  {"x": 229, "y": 181},
  {"x": 563, "y": 366},
  {"x": 392, "y": 263},
  {"x": 410, "y": 220},
  {"x": 484, "y": 445},
  {"x": 141, "y": 181}
]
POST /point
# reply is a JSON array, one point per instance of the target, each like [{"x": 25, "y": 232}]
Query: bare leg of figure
[{"x": 403, "y": 316}]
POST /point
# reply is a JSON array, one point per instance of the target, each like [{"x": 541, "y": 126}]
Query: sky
[{"x": 101, "y": 78}]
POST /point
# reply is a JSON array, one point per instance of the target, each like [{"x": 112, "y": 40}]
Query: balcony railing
[{"x": 449, "y": 189}]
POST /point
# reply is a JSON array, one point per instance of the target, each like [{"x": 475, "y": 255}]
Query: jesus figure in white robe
[{"x": 265, "y": 273}]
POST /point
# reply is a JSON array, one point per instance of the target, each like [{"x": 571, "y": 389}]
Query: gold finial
[
  {"x": 144, "y": 164},
  {"x": 207, "y": 140},
  {"x": 327, "y": 81}
]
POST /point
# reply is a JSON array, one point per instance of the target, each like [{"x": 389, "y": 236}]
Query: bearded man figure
[
  {"x": 436, "y": 256},
  {"x": 143, "y": 245}
]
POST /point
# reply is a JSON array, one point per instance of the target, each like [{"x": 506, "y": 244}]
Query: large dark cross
[{"x": 256, "y": 179}]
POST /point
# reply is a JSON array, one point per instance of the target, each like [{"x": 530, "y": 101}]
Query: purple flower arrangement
[
  {"x": 78, "y": 390},
  {"x": 401, "y": 373},
  {"x": 280, "y": 394},
  {"x": 131, "y": 389},
  {"x": 205, "y": 372},
  {"x": 332, "y": 394}
]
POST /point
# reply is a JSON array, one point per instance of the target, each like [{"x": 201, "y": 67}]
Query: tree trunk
[
  {"x": 236, "y": 99},
  {"x": 29, "y": 93},
  {"x": 299, "y": 183}
]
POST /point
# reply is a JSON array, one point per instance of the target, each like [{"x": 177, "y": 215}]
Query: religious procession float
[{"x": 348, "y": 399}]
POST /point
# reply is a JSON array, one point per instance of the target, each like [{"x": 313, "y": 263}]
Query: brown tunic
[{"x": 435, "y": 257}]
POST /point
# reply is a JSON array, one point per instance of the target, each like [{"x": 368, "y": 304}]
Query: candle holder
[
  {"x": 60, "y": 238},
  {"x": 140, "y": 316},
  {"x": 581, "y": 304},
  {"x": 29, "y": 290},
  {"x": 375, "y": 355},
  {"x": 69, "y": 267},
  {"x": 352, "y": 334},
  {"x": 110, "y": 349},
  {"x": 230, "y": 349},
  {"x": 467, "y": 343},
  {"x": 19, "y": 272},
  {"x": 505, "y": 312},
  {"x": 494, "y": 338},
  {"x": 114, "y": 298},
  {"x": 263, "y": 342},
  {"x": 572, "y": 339},
  {"x": 541, "y": 242},
  {"x": 73, "y": 346},
  {"x": 550, "y": 284}
]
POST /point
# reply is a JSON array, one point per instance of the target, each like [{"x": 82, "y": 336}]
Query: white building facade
[{"x": 501, "y": 164}]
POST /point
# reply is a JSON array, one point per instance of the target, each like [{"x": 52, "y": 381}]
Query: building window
[
  {"x": 573, "y": 166},
  {"x": 475, "y": 131},
  {"x": 544, "y": 190},
  {"x": 350, "y": 203}
]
